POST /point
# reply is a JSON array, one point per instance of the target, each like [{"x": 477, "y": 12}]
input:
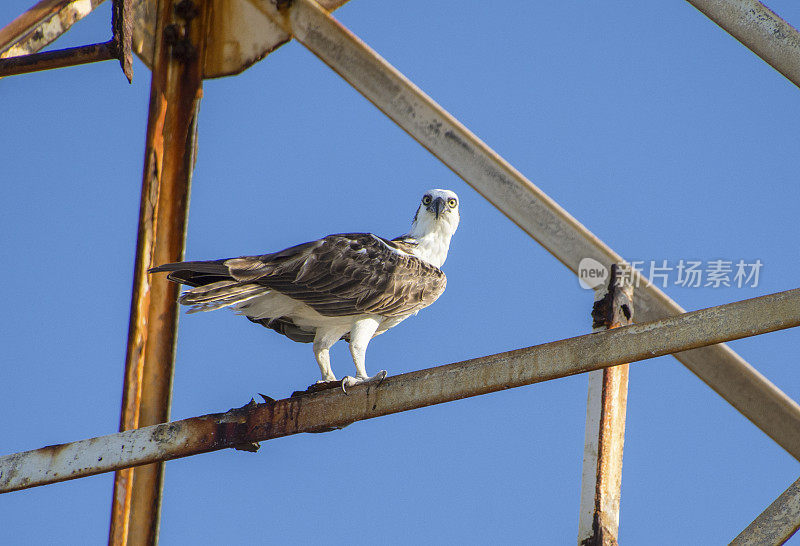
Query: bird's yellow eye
[
  {"x": 426, "y": 200},
  {"x": 451, "y": 203}
]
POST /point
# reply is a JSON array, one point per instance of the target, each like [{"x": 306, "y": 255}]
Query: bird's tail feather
[
  {"x": 194, "y": 273},
  {"x": 212, "y": 266},
  {"x": 220, "y": 294}
]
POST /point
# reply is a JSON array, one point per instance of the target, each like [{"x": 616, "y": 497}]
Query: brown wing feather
[{"x": 346, "y": 274}]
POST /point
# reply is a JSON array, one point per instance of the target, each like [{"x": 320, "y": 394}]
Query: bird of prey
[{"x": 350, "y": 286}]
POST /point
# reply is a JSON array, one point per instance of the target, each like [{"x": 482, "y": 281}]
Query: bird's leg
[
  {"x": 323, "y": 341},
  {"x": 361, "y": 333},
  {"x": 324, "y": 360}
]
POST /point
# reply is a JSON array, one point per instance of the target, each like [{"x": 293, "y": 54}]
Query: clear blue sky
[{"x": 656, "y": 129}]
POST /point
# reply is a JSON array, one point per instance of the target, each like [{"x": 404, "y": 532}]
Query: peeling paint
[
  {"x": 242, "y": 33},
  {"x": 41, "y": 25},
  {"x": 332, "y": 409}
]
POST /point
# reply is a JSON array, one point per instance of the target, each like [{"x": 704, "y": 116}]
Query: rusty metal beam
[
  {"x": 122, "y": 31},
  {"x": 776, "y": 524},
  {"x": 175, "y": 92},
  {"x": 38, "y": 27},
  {"x": 331, "y": 409},
  {"x": 41, "y": 25},
  {"x": 598, "y": 523},
  {"x": 760, "y": 29},
  {"x": 526, "y": 205},
  {"x": 241, "y": 35},
  {"x": 61, "y": 58}
]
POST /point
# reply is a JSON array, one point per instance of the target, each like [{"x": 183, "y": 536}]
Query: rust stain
[
  {"x": 162, "y": 224},
  {"x": 56, "y": 59},
  {"x": 331, "y": 409},
  {"x": 613, "y": 310}
]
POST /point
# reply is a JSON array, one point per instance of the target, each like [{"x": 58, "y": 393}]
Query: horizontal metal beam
[
  {"x": 526, "y": 205},
  {"x": 776, "y": 524},
  {"x": 760, "y": 29},
  {"x": 332, "y": 409},
  {"x": 58, "y": 59}
]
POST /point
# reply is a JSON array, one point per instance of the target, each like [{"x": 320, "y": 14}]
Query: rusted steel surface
[
  {"x": 46, "y": 21},
  {"x": 760, "y": 29},
  {"x": 332, "y": 409},
  {"x": 57, "y": 59},
  {"x": 175, "y": 93},
  {"x": 241, "y": 34},
  {"x": 122, "y": 29},
  {"x": 41, "y": 25},
  {"x": 776, "y": 524},
  {"x": 606, "y": 405},
  {"x": 526, "y": 205}
]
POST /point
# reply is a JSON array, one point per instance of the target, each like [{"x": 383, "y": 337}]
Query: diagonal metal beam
[
  {"x": 776, "y": 524},
  {"x": 41, "y": 25},
  {"x": 331, "y": 409},
  {"x": 526, "y": 205},
  {"x": 760, "y": 29}
]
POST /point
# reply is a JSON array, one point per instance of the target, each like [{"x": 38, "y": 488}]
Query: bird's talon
[
  {"x": 352, "y": 381},
  {"x": 348, "y": 381}
]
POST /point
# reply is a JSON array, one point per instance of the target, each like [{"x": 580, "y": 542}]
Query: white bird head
[
  {"x": 434, "y": 224},
  {"x": 438, "y": 211}
]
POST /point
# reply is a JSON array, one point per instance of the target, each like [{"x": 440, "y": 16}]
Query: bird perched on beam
[{"x": 350, "y": 286}]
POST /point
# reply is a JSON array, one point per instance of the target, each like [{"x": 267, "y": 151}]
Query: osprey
[{"x": 350, "y": 286}]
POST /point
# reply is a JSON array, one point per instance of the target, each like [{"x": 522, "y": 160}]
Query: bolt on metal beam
[
  {"x": 776, "y": 524},
  {"x": 526, "y": 205},
  {"x": 598, "y": 522},
  {"x": 760, "y": 29},
  {"x": 171, "y": 140},
  {"x": 332, "y": 409}
]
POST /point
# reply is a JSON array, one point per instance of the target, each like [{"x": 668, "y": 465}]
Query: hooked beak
[{"x": 437, "y": 206}]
